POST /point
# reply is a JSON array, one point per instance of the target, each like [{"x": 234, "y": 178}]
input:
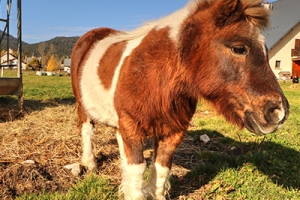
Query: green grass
[
  {"x": 43, "y": 88},
  {"x": 243, "y": 166},
  {"x": 47, "y": 87},
  {"x": 91, "y": 188},
  {"x": 262, "y": 168}
]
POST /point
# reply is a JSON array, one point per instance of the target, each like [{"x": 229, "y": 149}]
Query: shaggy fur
[{"x": 146, "y": 83}]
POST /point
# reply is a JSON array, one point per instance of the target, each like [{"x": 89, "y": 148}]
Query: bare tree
[
  {"x": 41, "y": 49},
  {"x": 50, "y": 51}
]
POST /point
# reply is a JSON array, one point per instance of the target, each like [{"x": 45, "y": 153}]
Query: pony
[{"x": 146, "y": 83}]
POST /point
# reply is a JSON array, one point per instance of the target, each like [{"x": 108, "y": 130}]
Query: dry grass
[{"x": 46, "y": 133}]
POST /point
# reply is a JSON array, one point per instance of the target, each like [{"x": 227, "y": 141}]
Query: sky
[{"x": 43, "y": 20}]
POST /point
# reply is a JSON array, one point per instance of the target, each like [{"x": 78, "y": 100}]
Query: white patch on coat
[
  {"x": 87, "y": 132},
  {"x": 261, "y": 40},
  {"x": 98, "y": 101},
  {"x": 158, "y": 182},
  {"x": 132, "y": 175},
  {"x": 174, "y": 22}
]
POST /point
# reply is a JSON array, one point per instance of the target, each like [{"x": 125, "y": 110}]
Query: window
[{"x": 277, "y": 64}]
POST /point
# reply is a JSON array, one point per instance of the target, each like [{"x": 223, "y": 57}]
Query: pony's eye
[{"x": 239, "y": 50}]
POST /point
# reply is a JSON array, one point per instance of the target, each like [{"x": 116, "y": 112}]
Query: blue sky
[{"x": 45, "y": 19}]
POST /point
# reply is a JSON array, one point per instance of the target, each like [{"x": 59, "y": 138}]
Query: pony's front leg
[
  {"x": 163, "y": 151},
  {"x": 87, "y": 131},
  {"x": 133, "y": 167}
]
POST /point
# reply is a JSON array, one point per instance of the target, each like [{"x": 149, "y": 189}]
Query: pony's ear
[{"x": 223, "y": 11}]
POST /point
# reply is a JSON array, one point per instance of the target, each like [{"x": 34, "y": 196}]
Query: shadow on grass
[
  {"x": 278, "y": 162},
  {"x": 10, "y": 110}
]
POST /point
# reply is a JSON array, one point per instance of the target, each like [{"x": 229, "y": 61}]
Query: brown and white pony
[{"x": 146, "y": 83}]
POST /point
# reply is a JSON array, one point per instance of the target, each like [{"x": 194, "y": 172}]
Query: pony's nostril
[
  {"x": 280, "y": 114},
  {"x": 275, "y": 113}
]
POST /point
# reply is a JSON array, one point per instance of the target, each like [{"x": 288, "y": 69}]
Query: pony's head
[{"x": 224, "y": 54}]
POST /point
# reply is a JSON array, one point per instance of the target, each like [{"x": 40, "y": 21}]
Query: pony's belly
[
  {"x": 98, "y": 103},
  {"x": 103, "y": 115}
]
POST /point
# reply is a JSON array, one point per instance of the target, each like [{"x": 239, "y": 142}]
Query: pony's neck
[{"x": 172, "y": 21}]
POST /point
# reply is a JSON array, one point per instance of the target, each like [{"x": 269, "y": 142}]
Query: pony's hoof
[{"x": 90, "y": 165}]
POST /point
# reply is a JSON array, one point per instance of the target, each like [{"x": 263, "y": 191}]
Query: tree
[
  {"x": 15, "y": 53},
  {"x": 52, "y": 64},
  {"x": 34, "y": 63},
  {"x": 50, "y": 52},
  {"x": 41, "y": 49},
  {"x": 3, "y": 52}
]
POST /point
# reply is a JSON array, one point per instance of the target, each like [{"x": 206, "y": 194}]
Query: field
[{"x": 234, "y": 164}]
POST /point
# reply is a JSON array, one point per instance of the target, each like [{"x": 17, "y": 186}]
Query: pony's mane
[{"x": 256, "y": 13}]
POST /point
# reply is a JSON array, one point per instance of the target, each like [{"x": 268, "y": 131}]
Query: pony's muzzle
[
  {"x": 274, "y": 113},
  {"x": 267, "y": 118}
]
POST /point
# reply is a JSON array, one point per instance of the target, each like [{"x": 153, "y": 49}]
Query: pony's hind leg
[
  {"x": 132, "y": 169},
  {"x": 163, "y": 152},
  {"x": 87, "y": 131}
]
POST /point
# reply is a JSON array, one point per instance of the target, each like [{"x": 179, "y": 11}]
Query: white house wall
[
  {"x": 12, "y": 60},
  {"x": 4, "y": 58},
  {"x": 282, "y": 51}
]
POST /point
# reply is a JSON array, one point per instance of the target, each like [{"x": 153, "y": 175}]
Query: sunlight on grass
[
  {"x": 92, "y": 187},
  {"x": 47, "y": 87},
  {"x": 265, "y": 168},
  {"x": 236, "y": 164},
  {"x": 247, "y": 183}
]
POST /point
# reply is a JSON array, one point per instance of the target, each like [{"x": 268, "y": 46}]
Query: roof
[
  {"x": 285, "y": 15},
  {"x": 67, "y": 62},
  {"x": 28, "y": 59}
]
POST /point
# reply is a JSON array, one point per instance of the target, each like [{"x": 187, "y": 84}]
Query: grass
[
  {"x": 234, "y": 165},
  {"x": 43, "y": 88},
  {"x": 46, "y": 87},
  {"x": 258, "y": 167},
  {"x": 92, "y": 188}
]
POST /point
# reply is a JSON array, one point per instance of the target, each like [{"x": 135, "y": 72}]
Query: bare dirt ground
[{"x": 46, "y": 133}]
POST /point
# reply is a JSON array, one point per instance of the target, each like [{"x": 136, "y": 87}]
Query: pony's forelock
[{"x": 256, "y": 13}]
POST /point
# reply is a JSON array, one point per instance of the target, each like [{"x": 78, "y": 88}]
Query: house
[
  {"x": 67, "y": 65},
  {"x": 283, "y": 37},
  {"x": 12, "y": 62},
  {"x": 67, "y": 62}
]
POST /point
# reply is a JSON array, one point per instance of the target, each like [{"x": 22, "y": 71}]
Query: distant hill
[
  {"x": 63, "y": 45},
  {"x": 13, "y": 42}
]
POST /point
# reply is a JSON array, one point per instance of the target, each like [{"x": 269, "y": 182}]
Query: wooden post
[
  {"x": 20, "y": 97},
  {"x": 13, "y": 86}
]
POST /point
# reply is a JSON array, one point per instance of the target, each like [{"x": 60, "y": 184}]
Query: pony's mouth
[{"x": 253, "y": 125}]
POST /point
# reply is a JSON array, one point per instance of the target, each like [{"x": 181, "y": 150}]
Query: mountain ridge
[{"x": 61, "y": 46}]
